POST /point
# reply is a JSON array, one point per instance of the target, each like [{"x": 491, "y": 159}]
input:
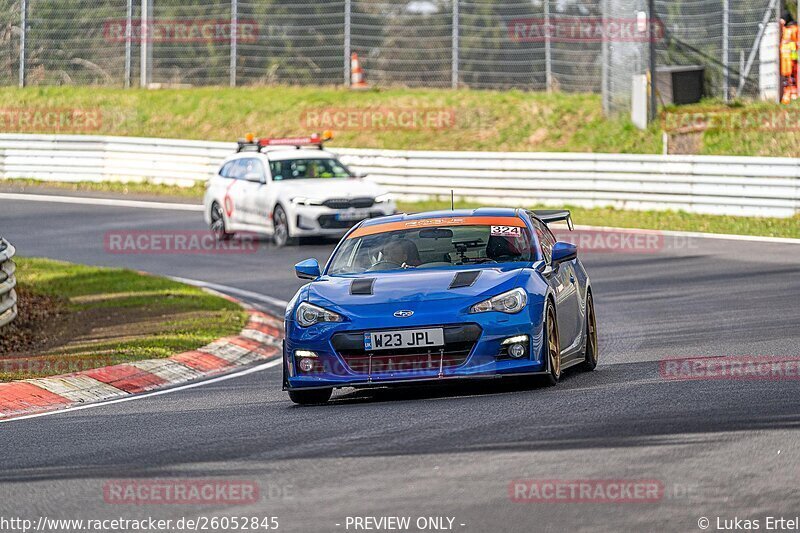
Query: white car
[{"x": 286, "y": 188}]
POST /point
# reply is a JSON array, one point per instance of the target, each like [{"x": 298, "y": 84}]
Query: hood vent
[
  {"x": 362, "y": 286},
  {"x": 464, "y": 279}
]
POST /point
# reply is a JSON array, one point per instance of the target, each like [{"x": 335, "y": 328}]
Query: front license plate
[
  {"x": 352, "y": 216},
  {"x": 407, "y": 338}
]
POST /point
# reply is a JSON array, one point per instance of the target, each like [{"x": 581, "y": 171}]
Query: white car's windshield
[
  {"x": 299, "y": 169},
  {"x": 432, "y": 247}
]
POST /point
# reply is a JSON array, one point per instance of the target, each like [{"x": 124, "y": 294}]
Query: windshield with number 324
[{"x": 432, "y": 247}]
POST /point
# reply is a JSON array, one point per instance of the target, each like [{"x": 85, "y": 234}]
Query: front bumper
[
  {"x": 484, "y": 359},
  {"x": 321, "y": 220}
]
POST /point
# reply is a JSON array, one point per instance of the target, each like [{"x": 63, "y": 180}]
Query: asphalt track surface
[{"x": 719, "y": 448}]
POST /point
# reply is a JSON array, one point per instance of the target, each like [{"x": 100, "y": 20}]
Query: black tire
[
  {"x": 310, "y": 397},
  {"x": 218, "y": 226},
  {"x": 592, "y": 354},
  {"x": 552, "y": 345},
  {"x": 280, "y": 229}
]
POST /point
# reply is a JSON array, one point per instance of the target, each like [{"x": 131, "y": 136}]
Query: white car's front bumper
[{"x": 321, "y": 220}]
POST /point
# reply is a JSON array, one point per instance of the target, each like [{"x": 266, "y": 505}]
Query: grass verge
[
  {"x": 470, "y": 120},
  {"x": 117, "y": 189},
  {"x": 83, "y": 317}
]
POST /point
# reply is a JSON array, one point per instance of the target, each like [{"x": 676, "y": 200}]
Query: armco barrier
[
  {"x": 753, "y": 186},
  {"x": 8, "y": 282}
]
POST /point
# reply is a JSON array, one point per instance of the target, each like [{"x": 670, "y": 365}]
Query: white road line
[
  {"x": 259, "y": 368},
  {"x": 233, "y": 290},
  {"x": 113, "y": 202}
]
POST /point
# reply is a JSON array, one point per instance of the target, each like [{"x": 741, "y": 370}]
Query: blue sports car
[{"x": 439, "y": 296}]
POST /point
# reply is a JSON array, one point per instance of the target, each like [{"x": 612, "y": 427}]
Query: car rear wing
[{"x": 549, "y": 216}]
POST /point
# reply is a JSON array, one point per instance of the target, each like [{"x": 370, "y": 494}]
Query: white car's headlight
[
  {"x": 306, "y": 201},
  {"x": 309, "y": 314},
  {"x": 510, "y": 302},
  {"x": 383, "y": 198}
]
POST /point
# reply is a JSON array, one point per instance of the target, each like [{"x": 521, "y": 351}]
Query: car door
[
  {"x": 250, "y": 173},
  {"x": 232, "y": 193},
  {"x": 262, "y": 196},
  {"x": 218, "y": 186},
  {"x": 565, "y": 287}
]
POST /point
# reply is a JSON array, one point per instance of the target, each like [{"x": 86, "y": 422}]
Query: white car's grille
[{"x": 347, "y": 203}]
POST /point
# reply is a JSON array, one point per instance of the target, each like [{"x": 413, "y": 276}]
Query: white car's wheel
[
  {"x": 280, "y": 235},
  {"x": 218, "y": 226}
]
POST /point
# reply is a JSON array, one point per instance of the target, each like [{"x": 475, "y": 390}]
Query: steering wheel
[{"x": 391, "y": 264}]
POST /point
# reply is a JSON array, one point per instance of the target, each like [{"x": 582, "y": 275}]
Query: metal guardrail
[
  {"x": 750, "y": 186},
  {"x": 8, "y": 283}
]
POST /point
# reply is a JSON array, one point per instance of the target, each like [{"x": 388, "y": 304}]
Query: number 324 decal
[{"x": 506, "y": 231}]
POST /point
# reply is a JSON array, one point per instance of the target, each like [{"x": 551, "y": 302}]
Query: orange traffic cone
[{"x": 357, "y": 74}]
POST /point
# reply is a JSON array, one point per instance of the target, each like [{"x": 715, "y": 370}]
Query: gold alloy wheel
[
  {"x": 553, "y": 344},
  {"x": 592, "y": 332}
]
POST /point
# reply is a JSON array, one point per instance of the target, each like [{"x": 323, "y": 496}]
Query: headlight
[
  {"x": 309, "y": 314},
  {"x": 305, "y": 201},
  {"x": 510, "y": 302},
  {"x": 383, "y": 199}
]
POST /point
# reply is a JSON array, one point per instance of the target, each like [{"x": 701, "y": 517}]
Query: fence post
[
  {"x": 128, "y": 35},
  {"x": 234, "y": 39},
  {"x": 347, "y": 16},
  {"x": 548, "y": 57},
  {"x": 726, "y": 75},
  {"x": 651, "y": 11},
  {"x": 773, "y": 5},
  {"x": 22, "y": 38},
  {"x": 455, "y": 45},
  {"x": 605, "y": 89},
  {"x": 144, "y": 45}
]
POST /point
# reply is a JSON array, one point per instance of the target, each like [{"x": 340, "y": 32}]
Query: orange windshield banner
[{"x": 436, "y": 223}]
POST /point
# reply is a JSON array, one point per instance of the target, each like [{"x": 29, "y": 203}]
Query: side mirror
[
  {"x": 360, "y": 175},
  {"x": 308, "y": 269},
  {"x": 255, "y": 177},
  {"x": 563, "y": 252}
]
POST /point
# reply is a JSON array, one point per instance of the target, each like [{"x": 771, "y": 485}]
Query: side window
[
  {"x": 276, "y": 168},
  {"x": 546, "y": 240},
  {"x": 227, "y": 169},
  {"x": 253, "y": 170},
  {"x": 237, "y": 171}
]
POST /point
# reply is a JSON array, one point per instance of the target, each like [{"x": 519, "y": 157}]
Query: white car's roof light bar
[{"x": 251, "y": 143}]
